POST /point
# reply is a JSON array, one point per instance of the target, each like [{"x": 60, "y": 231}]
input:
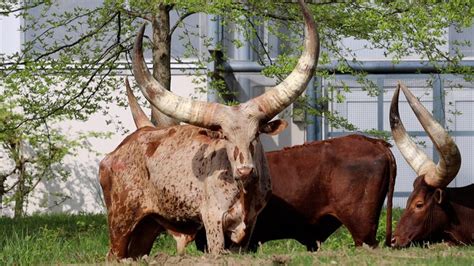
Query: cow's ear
[
  {"x": 439, "y": 195},
  {"x": 273, "y": 127}
]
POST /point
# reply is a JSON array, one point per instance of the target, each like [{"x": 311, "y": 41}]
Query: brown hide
[
  {"x": 436, "y": 214},
  {"x": 318, "y": 186},
  {"x": 177, "y": 179}
]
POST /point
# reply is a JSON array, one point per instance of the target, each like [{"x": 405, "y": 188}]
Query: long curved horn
[
  {"x": 414, "y": 156},
  {"x": 439, "y": 175},
  {"x": 275, "y": 100},
  {"x": 193, "y": 112},
  {"x": 161, "y": 120},
  {"x": 208, "y": 114},
  {"x": 450, "y": 157},
  {"x": 139, "y": 117}
]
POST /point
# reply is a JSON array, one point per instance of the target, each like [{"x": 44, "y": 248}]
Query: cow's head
[
  {"x": 426, "y": 212},
  {"x": 239, "y": 126}
]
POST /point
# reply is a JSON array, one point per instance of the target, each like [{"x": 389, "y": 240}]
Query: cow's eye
[{"x": 419, "y": 205}]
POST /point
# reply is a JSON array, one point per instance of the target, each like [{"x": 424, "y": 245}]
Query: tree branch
[
  {"x": 180, "y": 19},
  {"x": 82, "y": 38},
  {"x": 99, "y": 84},
  {"x": 59, "y": 25},
  {"x": 261, "y": 42},
  {"x": 3, "y": 177},
  {"x": 11, "y": 187},
  {"x": 75, "y": 97},
  {"x": 134, "y": 14},
  {"x": 7, "y": 11}
]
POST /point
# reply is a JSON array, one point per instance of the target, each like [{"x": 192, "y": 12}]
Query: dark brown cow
[
  {"x": 316, "y": 187},
  {"x": 212, "y": 173},
  {"x": 433, "y": 212}
]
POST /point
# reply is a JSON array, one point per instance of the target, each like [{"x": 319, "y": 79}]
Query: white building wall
[{"x": 10, "y": 36}]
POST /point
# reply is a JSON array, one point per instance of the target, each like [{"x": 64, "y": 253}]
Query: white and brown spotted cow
[{"x": 211, "y": 173}]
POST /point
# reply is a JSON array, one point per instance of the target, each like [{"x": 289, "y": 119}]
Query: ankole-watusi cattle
[
  {"x": 318, "y": 186},
  {"x": 433, "y": 212},
  {"x": 211, "y": 174}
]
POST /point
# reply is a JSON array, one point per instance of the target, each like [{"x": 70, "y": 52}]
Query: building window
[{"x": 462, "y": 40}]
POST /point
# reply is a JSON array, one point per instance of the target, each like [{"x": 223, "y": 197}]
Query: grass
[
  {"x": 79, "y": 239},
  {"x": 58, "y": 238}
]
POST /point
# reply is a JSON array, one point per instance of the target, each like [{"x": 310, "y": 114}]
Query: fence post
[
  {"x": 214, "y": 32},
  {"x": 380, "y": 112},
  {"x": 311, "y": 119},
  {"x": 438, "y": 105},
  {"x": 318, "y": 120}
]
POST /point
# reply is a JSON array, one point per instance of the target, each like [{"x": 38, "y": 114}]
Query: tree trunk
[
  {"x": 20, "y": 193},
  {"x": 161, "y": 53},
  {"x": 2, "y": 191},
  {"x": 20, "y": 190}
]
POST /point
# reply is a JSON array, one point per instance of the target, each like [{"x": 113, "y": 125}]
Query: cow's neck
[{"x": 461, "y": 205}]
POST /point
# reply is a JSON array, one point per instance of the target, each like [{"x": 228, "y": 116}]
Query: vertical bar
[
  {"x": 324, "y": 122},
  {"x": 214, "y": 32},
  {"x": 380, "y": 111},
  {"x": 243, "y": 53},
  {"x": 311, "y": 119},
  {"x": 318, "y": 119},
  {"x": 438, "y": 106}
]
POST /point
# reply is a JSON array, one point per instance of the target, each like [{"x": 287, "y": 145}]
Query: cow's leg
[
  {"x": 214, "y": 231},
  {"x": 362, "y": 233},
  {"x": 313, "y": 235},
  {"x": 245, "y": 243},
  {"x": 201, "y": 241},
  {"x": 180, "y": 243},
  {"x": 182, "y": 240},
  {"x": 119, "y": 235},
  {"x": 143, "y": 236}
]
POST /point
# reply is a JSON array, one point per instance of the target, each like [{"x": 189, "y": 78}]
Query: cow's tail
[{"x": 391, "y": 187}]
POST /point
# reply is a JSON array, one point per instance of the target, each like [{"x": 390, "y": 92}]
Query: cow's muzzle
[
  {"x": 397, "y": 242},
  {"x": 244, "y": 172}
]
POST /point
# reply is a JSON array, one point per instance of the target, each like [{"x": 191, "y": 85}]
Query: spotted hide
[
  {"x": 210, "y": 174},
  {"x": 147, "y": 189}
]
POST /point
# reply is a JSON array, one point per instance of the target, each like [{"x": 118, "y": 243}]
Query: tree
[
  {"x": 67, "y": 65},
  {"x": 82, "y": 47},
  {"x": 34, "y": 155}
]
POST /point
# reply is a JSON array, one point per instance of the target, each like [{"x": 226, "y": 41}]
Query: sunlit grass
[
  {"x": 79, "y": 239},
  {"x": 54, "y": 238}
]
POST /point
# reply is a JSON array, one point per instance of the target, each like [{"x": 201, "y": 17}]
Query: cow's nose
[
  {"x": 394, "y": 241},
  {"x": 244, "y": 171}
]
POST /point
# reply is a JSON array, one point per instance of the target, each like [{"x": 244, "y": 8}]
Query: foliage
[
  {"x": 31, "y": 152},
  {"x": 80, "y": 48}
]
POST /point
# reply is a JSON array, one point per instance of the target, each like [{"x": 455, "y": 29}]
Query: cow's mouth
[
  {"x": 399, "y": 242},
  {"x": 237, "y": 234}
]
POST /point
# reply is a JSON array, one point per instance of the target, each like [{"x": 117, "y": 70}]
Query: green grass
[
  {"x": 79, "y": 239},
  {"x": 58, "y": 238}
]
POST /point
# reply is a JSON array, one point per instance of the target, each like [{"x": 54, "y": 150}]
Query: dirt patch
[{"x": 207, "y": 259}]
